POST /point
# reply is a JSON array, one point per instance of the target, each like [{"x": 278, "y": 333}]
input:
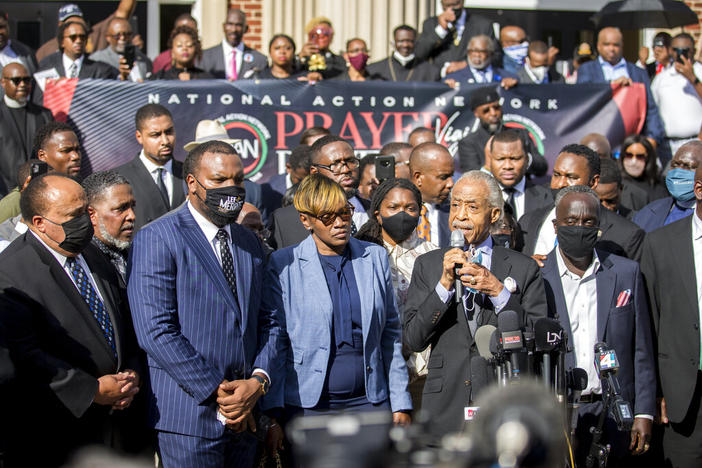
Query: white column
[{"x": 153, "y": 31}]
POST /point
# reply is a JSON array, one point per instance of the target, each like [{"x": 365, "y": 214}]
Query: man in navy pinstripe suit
[{"x": 195, "y": 288}]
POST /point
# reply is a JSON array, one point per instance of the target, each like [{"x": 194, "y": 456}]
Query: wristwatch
[{"x": 265, "y": 385}]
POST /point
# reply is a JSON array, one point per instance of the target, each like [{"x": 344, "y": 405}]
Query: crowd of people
[{"x": 179, "y": 309}]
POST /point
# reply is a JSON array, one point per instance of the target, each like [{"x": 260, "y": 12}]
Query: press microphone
[
  {"x": 498, "y": 356},
  {"x": 482, "y": 340},
  {"x": 548, "y": 335},
  {"x": 459, "y": 242},
  {"x": 478, "y": 376},
  {"x": 512, "y": 338},
  {"x": 606, "y": 364}
]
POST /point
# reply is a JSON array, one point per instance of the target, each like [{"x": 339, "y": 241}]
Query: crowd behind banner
[{"x": 207, "y": 257}]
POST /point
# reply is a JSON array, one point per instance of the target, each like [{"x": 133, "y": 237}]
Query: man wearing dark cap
[
  {"x": 485, "y": 104},
  {"x": 98, "y": 32},
  {"x": 662, "y": 53}
]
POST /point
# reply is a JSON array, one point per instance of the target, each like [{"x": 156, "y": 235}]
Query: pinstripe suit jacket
[
  {"x": 192, "y": 328},
  {"x": 296, "y": 290}
]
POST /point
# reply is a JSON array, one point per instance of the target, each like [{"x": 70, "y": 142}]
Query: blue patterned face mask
[
  {"x": 681, "y": 184},
  {"x": 517, "y": 52}
]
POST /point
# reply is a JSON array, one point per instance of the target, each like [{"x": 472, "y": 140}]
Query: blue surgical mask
[
  {"x": 517, "y": 52},
  {"x": 681, "y": 184}
]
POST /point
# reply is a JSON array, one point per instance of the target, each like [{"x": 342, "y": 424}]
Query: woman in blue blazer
[{"x": 340, "y": 346}]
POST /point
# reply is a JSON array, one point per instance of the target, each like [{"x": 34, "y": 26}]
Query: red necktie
[{"x": 659, "y": 68}]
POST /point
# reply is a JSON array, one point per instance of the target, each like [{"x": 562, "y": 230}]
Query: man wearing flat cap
[{"x": 485, "y": 104}]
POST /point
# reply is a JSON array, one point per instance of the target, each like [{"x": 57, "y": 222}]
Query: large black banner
[{"x": 268, "y": 116}]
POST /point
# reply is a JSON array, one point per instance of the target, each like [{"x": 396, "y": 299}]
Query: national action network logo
[{"x": 253, "y": 138}]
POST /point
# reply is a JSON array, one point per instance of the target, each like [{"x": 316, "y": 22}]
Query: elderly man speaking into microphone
[{"x": 494, "y": 279}]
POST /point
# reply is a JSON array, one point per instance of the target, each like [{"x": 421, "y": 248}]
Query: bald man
[
  {"x": 611, "y": 67},
  {"x": 513, "y": 40},
  {"x": 431, "y": 170},
  {"x": 672, "y": 266},
  {"x": 79, "y": 354},
  {"x": 19, "y": 121},
  {"x": 421, "y": 135}
]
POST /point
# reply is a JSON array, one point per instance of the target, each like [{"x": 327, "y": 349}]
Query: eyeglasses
[
  {"x": 328, "y": 218},
  {"x": 637, "y": 156},
  {"x": 336, "y": 166},
  {"x": 75, "y": 37},
  {"x": 16, "y": 80},
  {"x": 478, "y": 51},
  {"x": 125, "y": 35}
]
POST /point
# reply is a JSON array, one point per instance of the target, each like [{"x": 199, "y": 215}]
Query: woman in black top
[
  {"x": 283, "y": 66},
  {"x": 637, "y": 162},
  {"x": 185, "y": 50}
]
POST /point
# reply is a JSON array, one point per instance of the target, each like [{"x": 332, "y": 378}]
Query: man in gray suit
[
  {"x": 232, "y": 59},
  {"x": 119, "y": 36}
]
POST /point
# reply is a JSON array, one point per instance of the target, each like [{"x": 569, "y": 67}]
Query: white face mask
[{"x": 539, "y": 72}]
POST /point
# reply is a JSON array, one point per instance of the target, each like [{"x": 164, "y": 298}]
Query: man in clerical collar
[{"x": 402, "y": 65}]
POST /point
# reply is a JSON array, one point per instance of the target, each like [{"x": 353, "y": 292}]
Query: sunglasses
[
  {"x": 328, "y": 218},
  {"x": 637, "y": 156},
  {"x": 17, "y": 80},
  {"x": 75, "y": 37}
]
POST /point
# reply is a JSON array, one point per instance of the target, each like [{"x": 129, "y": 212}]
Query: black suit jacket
[
  {"x": 429, "y": 321},
  {"x": 619, "y": 235},
  {"x": 471, "y": 152},
  {"x": 149, "y": 203},
  {"x": 413, "y": 71},
  {"x": 89, "y": 68},
  {"x": 14, "y": 150},
  {"x": 626, "y": 328},
  {"x": 633, "y": 197},
  {"x": 430, "y": 46},
  {"x": 536, "y": 197},
  {"x": 668, "y": 266},
  {"x": 213, "y": 62},
  {"x": 57, "y": 345}
]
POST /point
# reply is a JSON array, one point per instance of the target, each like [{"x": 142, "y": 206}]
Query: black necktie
[
  {"x": 162, "y": 187},
  {"x": 510, "y": 205},
  {"x": 227, "y": 260}
]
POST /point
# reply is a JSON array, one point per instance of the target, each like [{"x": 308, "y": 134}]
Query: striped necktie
[{"x": 424, "y": 227}]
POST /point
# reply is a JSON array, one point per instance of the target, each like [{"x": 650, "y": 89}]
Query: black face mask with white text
[{"x": 223, "y": 203}]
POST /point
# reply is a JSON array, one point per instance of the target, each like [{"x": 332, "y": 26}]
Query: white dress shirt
[
  {"x": 519, "y": 188},
  {"x": 678, "y": 103},
  {"x": 581, "y": 301},
  {"x": 547, "y": 235},
  {"x": 227, "y": 51},
  {"x": 288, "y": 181},
  {"x": 482, "y": 76},
  {"x": 167, "y": 175},
  {"x": 359, "y": 215},
  {"x": 62, "y": 260},
  {"x": 67, "y": 62},
  {"x": 210, "y": 230}
]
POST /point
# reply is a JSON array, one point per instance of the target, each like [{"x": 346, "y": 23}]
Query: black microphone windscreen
[
  {"x": 600, "y": 347},
  {"x": 482, "y": 340},
  {"x": 495, "y": 342},
  {"x": 457, "y": 239},
  {"x": 578, "y": 379},
  {"x": 548, "y": 334},
  {"x": 508, "y": 320},
  {"x": 478, "y": 375}
]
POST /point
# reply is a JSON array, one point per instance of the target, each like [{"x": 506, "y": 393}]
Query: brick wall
[{"x": 254, "y": 12}]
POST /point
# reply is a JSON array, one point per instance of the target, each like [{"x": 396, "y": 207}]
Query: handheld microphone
[
  {"x": 459, "y": 242},
  {"x": 512, "y": 338},
  {"x": 606, "y": 364},
  {"x": 548, "y": 335},
  {"x": 482, "y": 340},
  {"x": 478, "y": 376}
]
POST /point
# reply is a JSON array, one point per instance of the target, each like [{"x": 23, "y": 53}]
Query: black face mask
[
  {"x": 223, "y": 204},
  {"x": 503, "y": 240},
  {"x": 400, "y": 226},
  {"x": 78, "y": 232},
  {"x": 577, "y": 241}
]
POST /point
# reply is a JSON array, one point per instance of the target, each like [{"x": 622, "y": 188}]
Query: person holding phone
[
  {"x": 677, "y": 91},
  {"x": 121, "y": 54}
]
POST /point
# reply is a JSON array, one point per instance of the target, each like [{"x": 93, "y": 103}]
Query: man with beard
[
  {"x": 333, "y": 157},
  {"x": 111, "y": 210},
  {"x": 195, "y": 293},
  {"x": 481, "y": 52},
  {"x": 119, "y": 36},
  {"x": 485, "y": 104},
  {"x": 19, "y": 121},
  {"x": 232, "y": 59},
  {"x": 402, "y": 65},
  {"x": 156, "y": 178}
]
